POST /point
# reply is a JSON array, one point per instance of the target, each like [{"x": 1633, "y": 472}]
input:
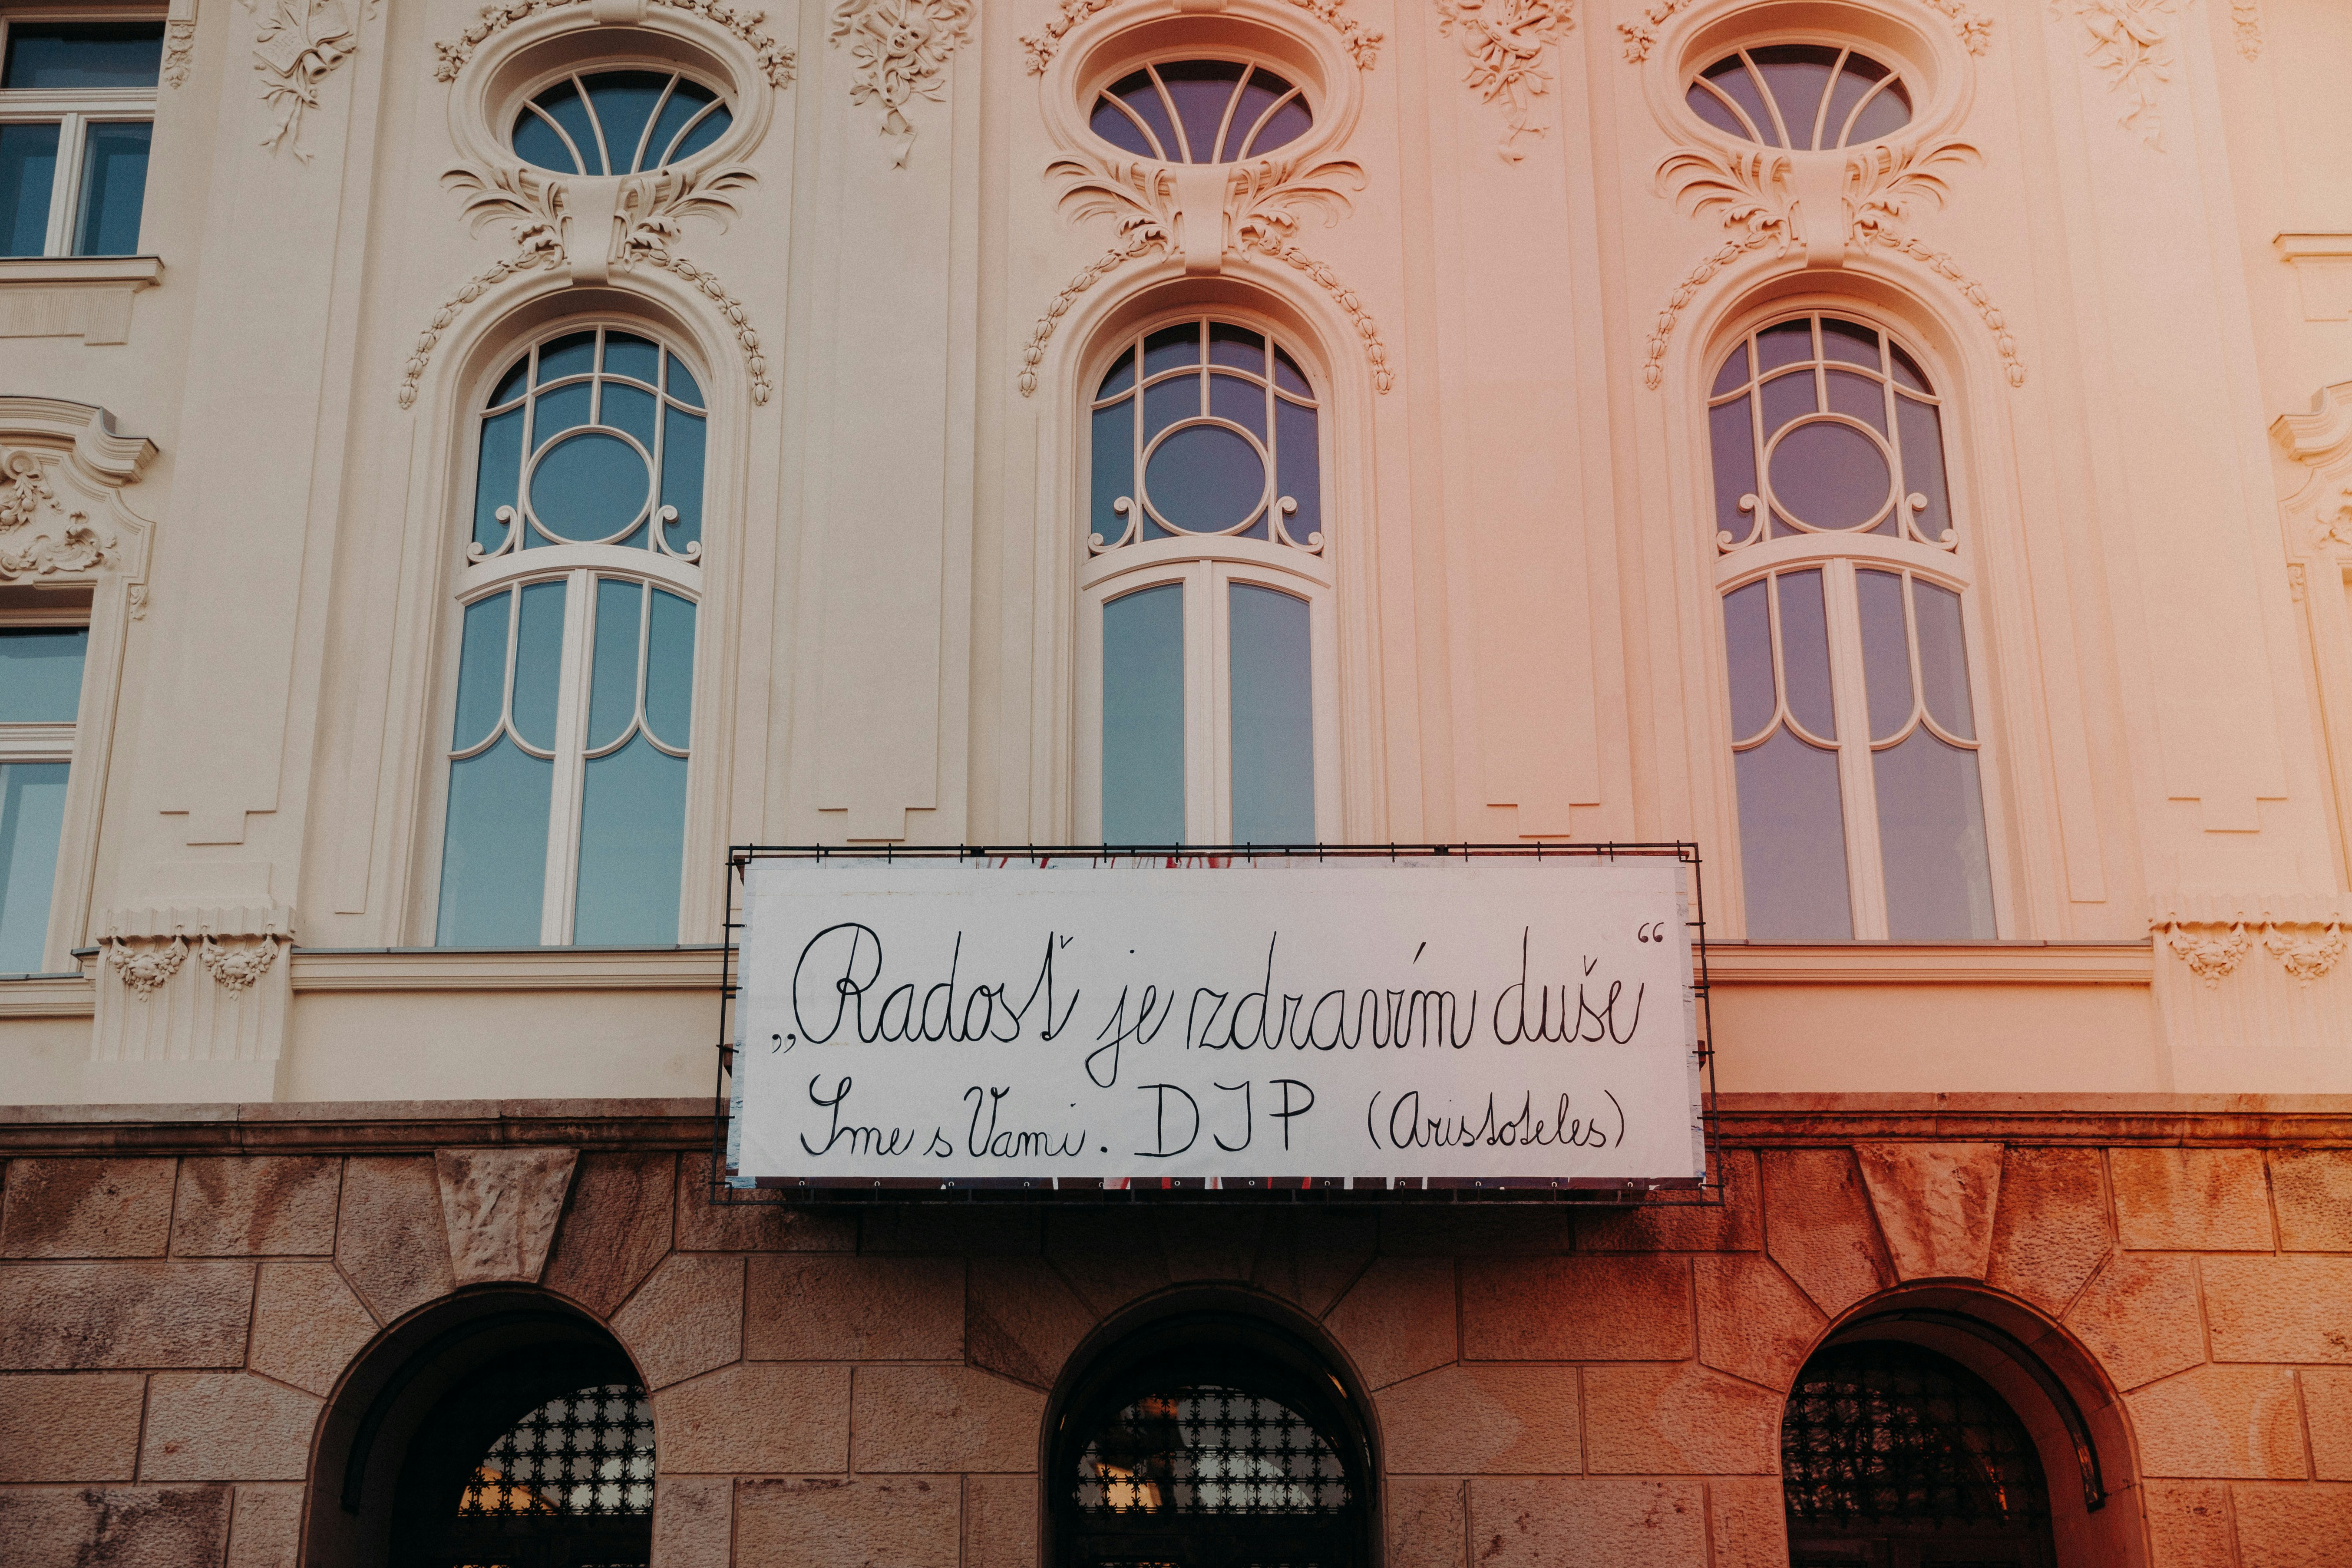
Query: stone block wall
[{"x": 1553, "y": 1385}]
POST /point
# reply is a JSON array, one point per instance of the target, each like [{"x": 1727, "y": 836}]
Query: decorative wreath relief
[
  {"x": 1363, "y": 45},
  {"x": 25, "y": 494},
  {"x": 1506, "y": 40},
  {"x": 900, "y": 50},
  {"x": 235, "y": 969},
  {"x": 554, "y": 227},
  {"x": 1259, "y": 216},
  {"x": 776, "y": 62},
  {"x": 2306, "y": 950},
  {"x": 298, "y": 46},
  {"x": 144, "y": 971},
  {"x": 2131, "y": 41}
]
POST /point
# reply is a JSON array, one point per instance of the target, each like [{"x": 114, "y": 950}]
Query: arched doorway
[
  {"x": 1211, "y": 1441},
  {"x": 1893, "y": 1455}
]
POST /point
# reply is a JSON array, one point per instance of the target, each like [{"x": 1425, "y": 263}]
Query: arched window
[
  {"x": 618, "y": 123},
  {"x": 1208, "y": 713},
  {"x": 1806, "y": 97},
  {"x": 1220, "y": 1446},
  {"x": 1891, "y": 1454},
  {"x": 1841, "y": 563},
  {"x": 1201, "y": 111},
  {"x": 567, "y": 748}
]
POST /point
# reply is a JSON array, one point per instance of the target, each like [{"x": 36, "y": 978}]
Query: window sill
[
  {"x": 506, "y": 969},
  {"x": 47, "y": 996},
  {"x": 1931, "y": 963},
  {"x": 85, "y": 297}
]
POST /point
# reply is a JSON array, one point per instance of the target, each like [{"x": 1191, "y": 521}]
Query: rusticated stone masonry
[{"x": 1556, "y": 1385}]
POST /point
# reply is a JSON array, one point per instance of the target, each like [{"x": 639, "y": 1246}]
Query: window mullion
[
  {"x": 570, "y": 735},
  {"x": 1208, "y": 780},
  {"x": 64, "y": 186},
  {"x": 1865, "y": 876}
]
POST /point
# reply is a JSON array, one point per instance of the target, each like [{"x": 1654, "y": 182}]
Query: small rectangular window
[
  {"x": 77, "y": 113},
  {"x": 40, "y": 692}
]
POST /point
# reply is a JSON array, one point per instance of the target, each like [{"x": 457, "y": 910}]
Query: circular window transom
[
  {"x": 1803, "y": 97},
  {"x": 1201, "y": 111},
  {"x": 618, "y": 123}
]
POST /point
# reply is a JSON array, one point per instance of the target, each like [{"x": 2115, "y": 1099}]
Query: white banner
[{"x": 1510, "y": 1020}]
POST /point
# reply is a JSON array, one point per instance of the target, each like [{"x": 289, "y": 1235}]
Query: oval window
[
  {"x": 618, "y": 123},
  {"x": 1201, "y": 111},
  {"x": 1803, "y": 97}
]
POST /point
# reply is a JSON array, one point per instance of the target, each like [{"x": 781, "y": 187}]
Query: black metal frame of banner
[{"x": 1583, "y": 1191}]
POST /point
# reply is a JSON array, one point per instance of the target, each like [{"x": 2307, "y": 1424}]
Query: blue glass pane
[
  {"x": 40, "y": 673},
  {"x": 537, "y": 143},
  {"x": 627, "y": 408},
  {"x": 1273, "y": 717},
  {"x": 682, "y": 477},
  {"x": 494, "y": 853},
  {"x": 1114, "y": 470},
  {"x": 1931, "y": 840},
  {"x": 564, "y": 105},
  {"x": 1734, "y": 372},
  {"x": 685, "y": 101},
  {"x": 590, "y": 486},
  {"x": 498, "y": 481},
  {"x": 705, "y": 132},
  {"x": 1731, "y": 76},
  {"x": 1300, "y": 456},
  {"x": 1850, "y": 341},
  {"x": 83, "y": 54},
  {"x": 612, "y": 688},
  {"x": 1242, "y": 401},
  {"x": 1734, "y": 445},
  {"x": 1943, "y": 657},
  {"x": 1288, "y": 376},
  {"x": 1169, "y": 401},
  {"x": 538, "y": 663},
  {"x": 1170, "y": 347},
  {"x": 631, "y": 847},
  {"x": 624, "y": 102},
  {"x": 1797, "y": 75},
  {"x": 1113, "y": 125},
  {"x": 1805, "y": 652},
  {"x": 1790, "y": 343},
  {"x": 1793, "y": 842},
  {"x": 32, "y": 820},
  {"x": 29, "y": 162},
  {"x": 1883, "y": 116},
  {"x": 1748, "y": 655},
  {"x": 1859, "y": 76},
  {"x": 510, "y": 386},
  {"x": 113, "y": 185},
  {"x": 1712, "y": 109},
  {"x": 682, "y": 383},
  {"x": 1830, "y": 476},
  {"x": 632, "y": 357},
  {"x": 1120, "y": 377},
  {"x": 1885, "y": 652},
  {"x": 481, "y": 672},
  {"x": 1140, "y": 93},
  {"x": 1258, "y": 95},
  {"x": 1906, "y": 370},
  {"x": 1240, "y": 348},
  {"x": 1923, "y": 467},
  {"x": 1143, "y": 718},
  {"x": 565, "y": 409},
  {"x": 1205, "y": 478},
  {"x": 1862, "y": 397},
  {"x": 1291, "y": 121},
  {"x": 1202, "y": 90},
  {"x": 670, "y": 671},
  {"x": 1786, "y": 398},
  {"x": 572, "y": 355}
]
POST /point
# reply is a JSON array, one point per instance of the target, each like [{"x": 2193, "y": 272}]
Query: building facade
[{"x": 462, "y": 468}]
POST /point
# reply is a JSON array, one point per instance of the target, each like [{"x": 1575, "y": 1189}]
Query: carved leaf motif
[
  {"x": 776, "y": 62},
  {"x": 2307, "y": 951},
  {"x": 2131, "y": 41},
  {"x": 1262, "y": 200},
  {"x": 2213, "y": 955},
  {"x": 1881, "y": 183},
  {"x": 1505, "y": 40},
  {"x": 79, "y": 548},
  {"x": 1750, "y": 185},
  {"x": 143, "y": 970},
  {"x": 1140, "y": 193},
  {"x": 900, "y": 50},
  {"x": 24, "y": 489},
  {"x": 236, "y": 969},
  {"x": 298, "y": 46}
]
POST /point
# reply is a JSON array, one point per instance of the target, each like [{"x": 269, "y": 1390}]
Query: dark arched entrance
[
  {"x": 1211, "y": 1441},
  {"x": 1893, "y": 1455}
]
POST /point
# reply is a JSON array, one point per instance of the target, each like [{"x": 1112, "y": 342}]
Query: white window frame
[
  {"x": 1839, "y": 556},
  {"x": 1207, "y": 566},
  {"x": 578, "y": 567},
  {"x": 73, "y": 113},
  {"x": 53, "y": 741}
]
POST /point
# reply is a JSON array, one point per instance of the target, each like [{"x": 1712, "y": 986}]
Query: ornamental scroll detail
[
  {"x": 555, "y": 225},
  {"x": 1973, "y": 26},
  {"x": 1362, "y": 44},
  {"x": 1257, "y": 215},
  {"x": 776, "y": 62},
  {"x": 900, "y": 50},
  {"x": 298, "y": 45},
  {"x": 2131, "y": 41},
  {"x": 1506, "y": 40},
  {"x": 25, "y": 496}
]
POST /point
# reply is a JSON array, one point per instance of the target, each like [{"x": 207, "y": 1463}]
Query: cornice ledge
[
  {"x": 48, "y": 996},
  {"x": 2142, "y": 1121},
  {"x": 359, "y": 1126},
  {"x": 2322, "y": 434},
  {"x": 48, "y": 271},
  {"x": 105, "y": 456},
  {"x": 519, "y": 969},
  {"x": 1932, "y": 963}
]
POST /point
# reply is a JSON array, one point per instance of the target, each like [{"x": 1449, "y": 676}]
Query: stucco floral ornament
[
  {"x": 235, "y": 969},
  {"x": 298, "y": 46},
  {"x": 26, "y": 551},
  {"x": 2131, "y": 41},
  {"x": 1506, "y": 40},
  {"x": 776, "y": 62},
  {"x": 900, "y": 50},
  {"x": 145, "y": 970},
  {"x": 2307, "y": 950},
  {"x": 24, "y": 489},
  {"x": 2210, "y": 950}
]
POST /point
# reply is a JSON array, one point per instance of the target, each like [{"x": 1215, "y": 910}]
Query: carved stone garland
[
  {"x": 2131, "y": 41},
  {"x": 1506, "y": 40},
  {"x": 554, "y": 229},
  {"x": 2212, "y": 949},
  {"x": 2246, "y": 21},
  {"x": 25, "y": 495},
  {"x": 1974, "y": 27},
  {"x": 899, "y": 50},
  {"x": 179, "y": 41},
  {"x": 298, "y": 45},
  {"x": 1257, "y": 216},
  {"x": 776, "y": 61},
  {"x": 1363, "y": 45},
  {"x": 1756, "y": 190},
  {"x": 145, "y": 968}
]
